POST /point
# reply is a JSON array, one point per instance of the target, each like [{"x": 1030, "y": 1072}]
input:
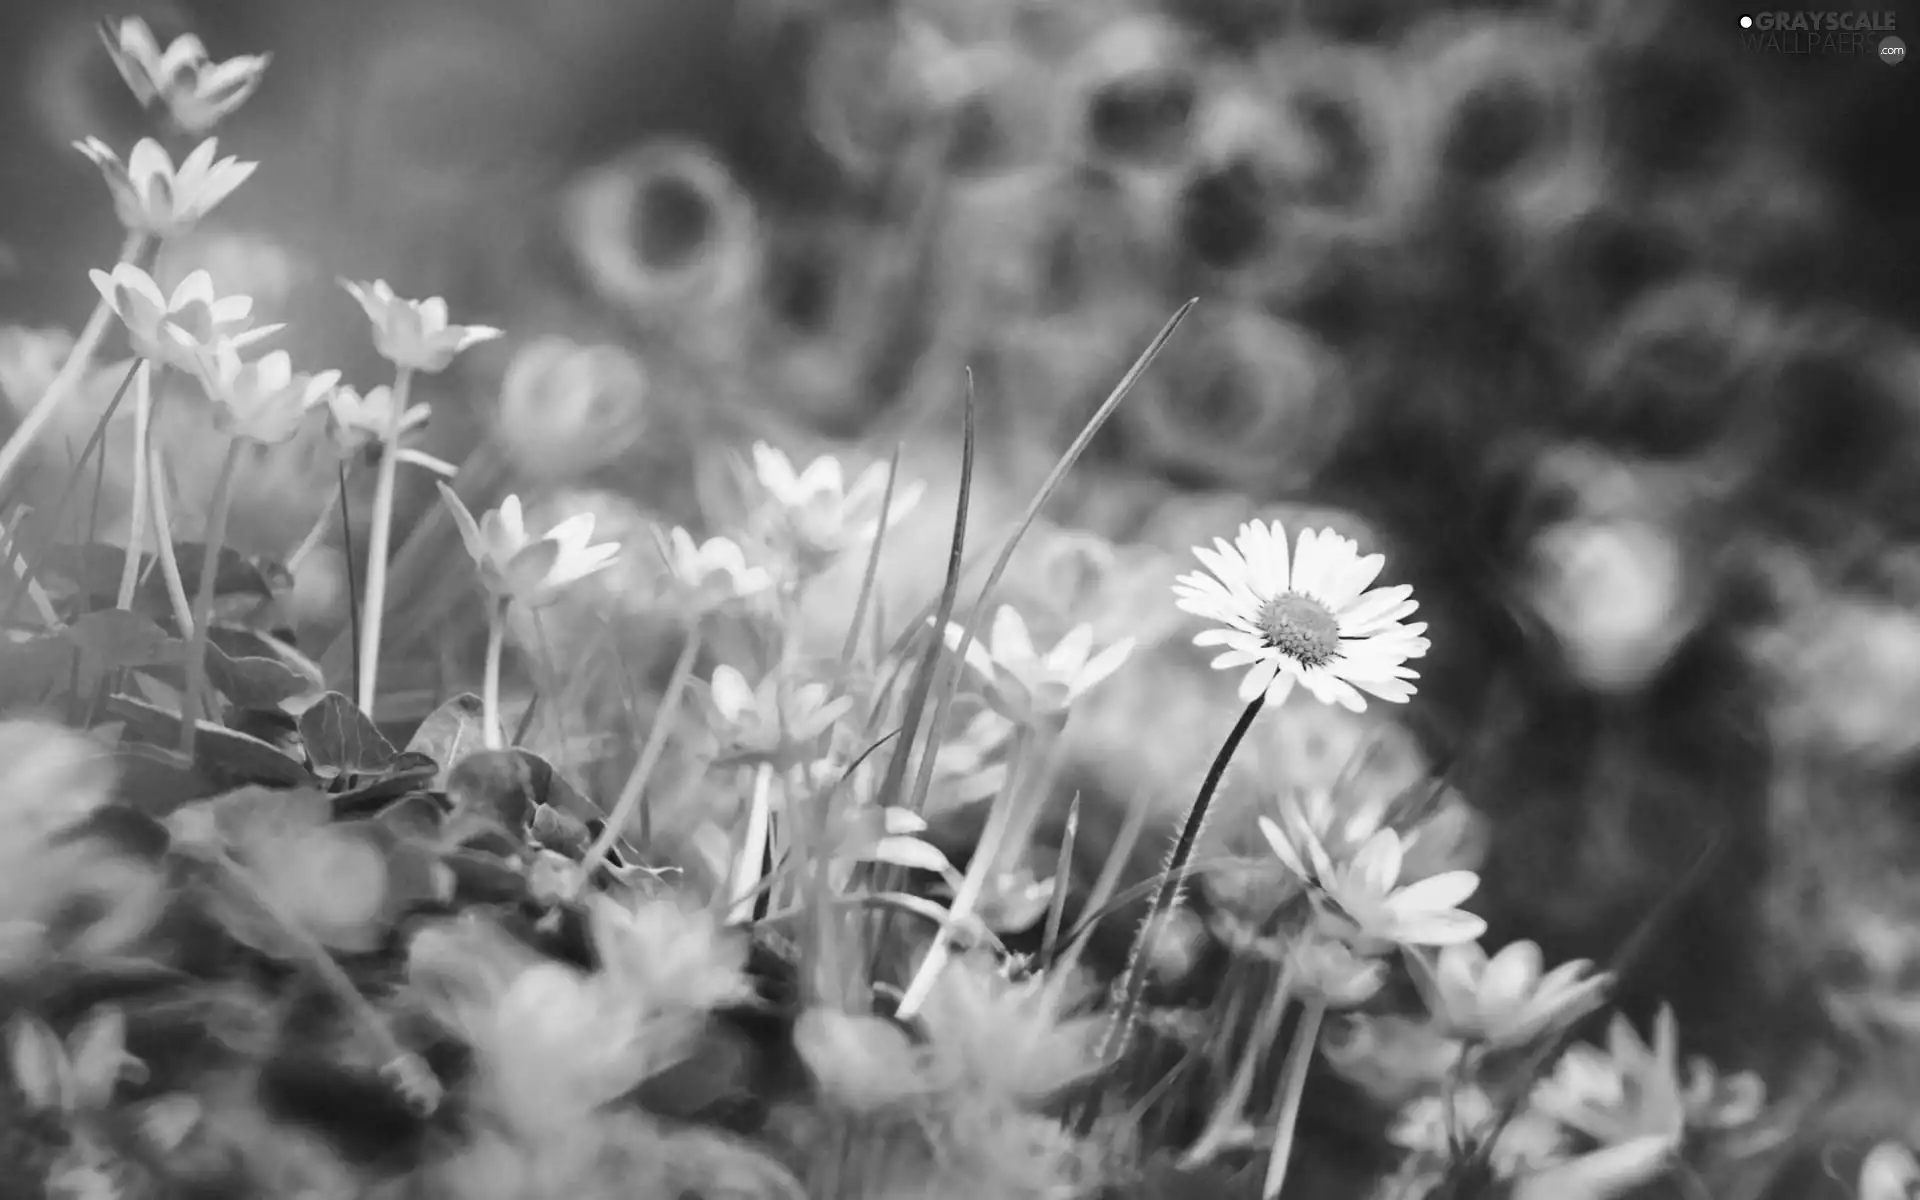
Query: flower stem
[
  {"x": 203, "y": 602},
  {"x": 137, "y": 520},
  {"x": 381, "y": 544},
  {"x": 1293, "y": 1084},
  {"x": 1231, "y": 1109},
  {"x": 490, "y": 689},
  {"x": 71, "y": 372},
  {"x": 753, "y": 849},
  {"x": 163, "y": 542},
  {"x": 636, "y": 785},
  {"x": 1166, "y": 896},
  {"x": 353, "y": 586}
]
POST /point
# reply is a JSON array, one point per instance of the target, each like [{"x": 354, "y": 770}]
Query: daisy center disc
[{"x": 1301, "y": 628}]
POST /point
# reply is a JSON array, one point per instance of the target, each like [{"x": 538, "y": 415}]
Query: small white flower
[
  {"x": 414, "y": 334},
  {"x": 181, "y": 330},
  {"x": 713, "y": 572},
  {"x": 197, "y": 92},
  {"x": 1330, "y": 970},
  {"x": 517, "y": 566},
  {"x": 358, "y": 422},
  {"x": 30, "y": 359},
  {"x": 1310, "y": 620},
  {"x": 151, "y": 195},
  {"x": 567, "y": 408},
  {"x": 264, "y": 400},
  {"x": 1367, "y": 899},
  {"x": 815, "y": 515},
  {"x": 1429, "y": 1124},
  {"x": 771, "y": 722},
  {"x": 963, "y": 766},
  {"x": 1505, "y": 1000},
  {"x": 1026, "y": 686},
  {"x": 1629, "y": 1091}
]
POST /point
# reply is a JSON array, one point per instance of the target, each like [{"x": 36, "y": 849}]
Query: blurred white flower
[
  {"x": 265, "y": 400},
  {"x": 566, "y": 408},
  {"x": 1310, "y": 621},
  {"x": 414, "y": 334},
  {"x": 1391, "y": 1057},
  {"x": 559, "y": 1044},
  {"x": 357, "y": 421},
  {"x": 1429, "y": 1125},
  {"x": 152, "y": 196},
  {"x": 1615, "y": 594},
  {"x": 196, "y": 91},
  {"x": 1889, "y": 1173},
  {"x": 515, "y": 565},
  {"x": 713, "y": 572},
  {"x": 815, "y": 514},
  {"x": 1366, "y": 898},
  {"x": 1505, "y": 1000},
  {"x": 770, "y": 722},
  {"x": 1629, "y": 1091},
  {"x": 1028, "y": 687},
  {"x": 183, "y": 329},
  {"x": 1332, "y": 972},
  {"x": 962, "y": 768},
  {"x": 29, "y": 360}
]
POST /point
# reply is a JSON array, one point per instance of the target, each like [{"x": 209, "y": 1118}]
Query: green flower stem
[
  {"x": 1293, "y": 1083},
  {"x": 1231, "y": 1110},
  {"x": 137, "y": 520},
  {"x": 490, "y": 688},
  {"x": 636, "y": 785},
  {"x": 71, "y": 372},
  {"x": 203, "y": 602},
  {"x": 374, "y": 609},
  {"x": 745, "y": 883},
  {"x": 1166, "y": 896},
  {"x": 163, "y": 542}
]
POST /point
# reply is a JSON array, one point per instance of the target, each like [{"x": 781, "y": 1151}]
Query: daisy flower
[
  {"x": 514, "y": 564},
  {"x": 154, "y": 197},
  {"x": 183, "y": 329},
  {"x": 1309, "y": 620},
  {"x": 196, "y": 91},
  {"x": 414, "y": 334},
  {"x": 1369, "y": 903},
  {"x": 1505, "y": 1000},
  {"x": 265, "y": 400},
  {"x": 1027, "y": 686}
]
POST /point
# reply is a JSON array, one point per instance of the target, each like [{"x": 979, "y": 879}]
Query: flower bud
[{"x": 566, "y": 409}]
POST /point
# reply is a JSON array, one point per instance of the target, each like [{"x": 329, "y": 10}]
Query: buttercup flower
[
  {"x": 359, "y": 421},
  {"x": 1889, "y": 1173},
  {"x": 517, "y": 566},
  {"x": 1330, "y": 970},
  {"x": 1629, "y": 1091},
  {"x": 768, "y": 722},
  {"x": 1505, "y": 1000},
  {"x": 714, "y": 571},
  {"x": 29, "y": 361},
  {"x": 414, "y": 334},
  {"x": 183, "y": 329},
  {"x": 197, "y": 92},
  {"x": 815, "y": 514},
  {"x": 1367, "y": 901},
  {"x": 1530, "y": 1141},
  {"x": 1309, "y": 621},
  {"x": 153, "y": 196},
  {"x": 1026, "y": 686},
  {"x": 264, "y": 400}
]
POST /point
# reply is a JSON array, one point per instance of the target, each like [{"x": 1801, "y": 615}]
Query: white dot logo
[
  {"x": 1746, "y": 22},
  {"x": 1893, "y": 51}
]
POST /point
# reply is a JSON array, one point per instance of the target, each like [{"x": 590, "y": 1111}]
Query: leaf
[
  {"x": 224, "y": 758},
  {"x": 39, "y": 1062},
  {"x": 256, "y": 681},
  {"x": 89, "y": 572},
  {"x": 340, "y": 738},
  {"x": 33, "y": 671},
  {"x": 113, "y": 638},
  {"x": 156, "y": 780},
  {"x": 484, "y": 879},
  {"x": 240, "y": 642},
  {"x": 410, "y": 773},
  {"x": 909, "y": 852},
  {"x": 450, "y": 732},
  {"x": 238, "y": 574}
]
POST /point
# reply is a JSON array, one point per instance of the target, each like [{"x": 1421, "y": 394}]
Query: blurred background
[{"x": 1598, "y": 321}]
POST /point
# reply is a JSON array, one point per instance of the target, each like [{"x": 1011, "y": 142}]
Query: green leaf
[
  {"x": 224, "y": 758},
  {"x": 409, "y": 773},
  {"x": 156, "y": 780},
  {"x": 449, "y": 733},
  {"x": 255, "y": 681},
  {"x": 113, "y": 638},
  {"x": 340, "y": 738}
]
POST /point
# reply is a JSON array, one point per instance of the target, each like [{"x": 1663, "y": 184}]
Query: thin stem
[
  {"x": 137, "y": 520},
  {"x": 71, "y": 372},
  {"x": 317, "y": 533},
  {"x": 753, "y": 849},
  {"x": 1293, "y": 1083},
  {"x": 636, "y": 784},
  {"x": 1231, "y": 1110},
  {"x": 1166, "y": 896},
  {"x": 203, "y": 602},
  {"x": 163, "y": 542},
  {"x": 353, "y": 587},
  {"x": 490, "y": 689},
  {"x": 374, "y": 609}
]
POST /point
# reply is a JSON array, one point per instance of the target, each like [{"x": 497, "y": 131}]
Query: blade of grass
[
  {"x": 865, "y": 598},
  {"x": 1062, "y": 882},
  {"x": 353, "y": 584},
  {"x": 138, "y": 519}
]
